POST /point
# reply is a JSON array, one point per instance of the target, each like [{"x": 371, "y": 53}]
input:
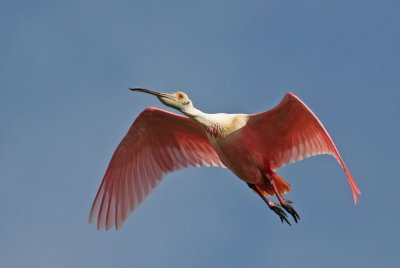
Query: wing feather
[
  {"x": 157, "y": 143},
  {"x": 291, "y": 132}
]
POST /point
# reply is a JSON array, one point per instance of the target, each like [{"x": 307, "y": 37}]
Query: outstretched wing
[
  {"x": 158, "y": 142},
  {"x": 291, "y": 132}
]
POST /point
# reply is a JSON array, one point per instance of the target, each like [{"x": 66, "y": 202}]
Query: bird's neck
[
  {"x": 197, "y": 115},
  {"x": 210, "y": 125}
]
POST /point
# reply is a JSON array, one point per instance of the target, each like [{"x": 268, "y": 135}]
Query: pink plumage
[
  {"x": 291, "y": 132},
  {"x": 158, "y": 142},
  {"x": 252, "y": 146}
]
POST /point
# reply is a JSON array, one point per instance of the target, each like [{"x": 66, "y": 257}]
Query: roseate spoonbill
[{"x": 252, "y": 146}]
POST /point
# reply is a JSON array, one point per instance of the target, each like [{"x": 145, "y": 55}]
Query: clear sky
[{"x": 65, "y": 70}]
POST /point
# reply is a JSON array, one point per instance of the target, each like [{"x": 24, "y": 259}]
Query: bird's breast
[
  {"x": 216, "y": 131},
  {"x": 238, "y": 154},
  {"x": 224, "y": 125}
]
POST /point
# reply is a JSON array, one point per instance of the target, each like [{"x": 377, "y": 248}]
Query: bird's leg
[
  {"x": 272, "y": 205},
  {"x": 286, "y": 204}
]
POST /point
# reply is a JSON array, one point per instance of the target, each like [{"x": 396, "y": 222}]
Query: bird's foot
[
  {"x": 278, "y": 210},
  {"x": 288, "y": 201},
  {"x": 288, "y": 207}
]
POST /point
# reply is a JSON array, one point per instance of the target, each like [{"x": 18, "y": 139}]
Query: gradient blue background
[{"x": 65, "y": 70}]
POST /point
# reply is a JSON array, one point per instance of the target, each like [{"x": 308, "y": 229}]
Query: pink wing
[
  {"x": 158, "y": 142},
  {"x": 291, "y": 132}
]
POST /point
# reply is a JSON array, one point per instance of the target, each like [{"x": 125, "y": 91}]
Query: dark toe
[
  {"x": 291, "y": 211},
  {"x": 281, "y": 213}
]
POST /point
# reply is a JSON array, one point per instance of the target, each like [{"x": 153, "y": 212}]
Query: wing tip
[
  {"x": 355, "y": 190},
  {"x": 356, "y": 194},
  {"x": 100, "y": 225},
  {"x": 106, "y": 223}
]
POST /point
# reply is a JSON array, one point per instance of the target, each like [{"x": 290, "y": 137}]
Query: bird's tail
[{"x": 266, "y": 189}]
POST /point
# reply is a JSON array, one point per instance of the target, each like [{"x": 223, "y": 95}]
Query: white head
[{"x": 177, "y": 100}]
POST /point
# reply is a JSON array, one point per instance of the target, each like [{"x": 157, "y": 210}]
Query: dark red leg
[
  {"x": 272, "y": 205},
  {"x": 286, "y": 204}
]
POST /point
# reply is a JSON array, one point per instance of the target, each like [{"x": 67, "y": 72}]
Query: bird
[{"x": 252, "y": 146}]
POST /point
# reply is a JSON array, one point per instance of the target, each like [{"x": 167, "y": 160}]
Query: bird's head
[{"x": 177, "y": 100}]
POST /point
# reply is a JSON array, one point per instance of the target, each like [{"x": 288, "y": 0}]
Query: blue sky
[{"x": 65, "y": 70}]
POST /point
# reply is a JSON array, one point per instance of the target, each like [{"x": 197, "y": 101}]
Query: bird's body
[
  {"x": 227, "y": 135},
  {"x": 252, "y": 146}
]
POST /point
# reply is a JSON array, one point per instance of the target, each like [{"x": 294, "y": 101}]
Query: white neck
[
  {"x": 216, "y": 125},
  {"x": 197, "y": 115}
]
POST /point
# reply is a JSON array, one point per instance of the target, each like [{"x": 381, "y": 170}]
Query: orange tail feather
[{"x": 266, "y": 189}]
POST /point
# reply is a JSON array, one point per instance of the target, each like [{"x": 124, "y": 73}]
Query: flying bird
[{"x": 252, "y": 146}]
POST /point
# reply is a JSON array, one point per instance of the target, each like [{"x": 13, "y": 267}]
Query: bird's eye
[{"x": 180, "y": 96}]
